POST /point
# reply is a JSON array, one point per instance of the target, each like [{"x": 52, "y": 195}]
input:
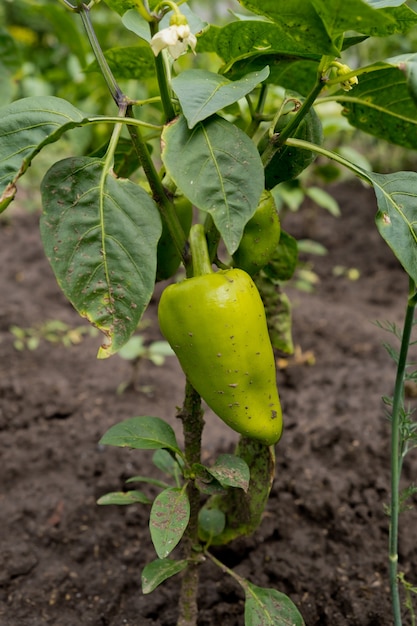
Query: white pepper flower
[{"x": 177, "y": 38}]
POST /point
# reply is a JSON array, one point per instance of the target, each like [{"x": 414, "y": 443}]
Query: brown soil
[{"x": 323, "y": 540}]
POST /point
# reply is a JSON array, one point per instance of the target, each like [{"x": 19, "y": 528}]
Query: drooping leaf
[
  {"x": 231, "y": 471},
  {"x": 154, "y": 573},
  {"x": 168, "y": 520},
  {"x": 28, "y": 125},
  {"x": 381, "y": 105},
  {"x": 100, "y": 236},
  {"x": 218, "y": 168},
  {"x": 202, "y": 93},
  {"x": 141, "y": 433},
  {"x": 124, "y": 498},
  {"x": 269, "y": 607},
  {"x": 396, "y": 218}
]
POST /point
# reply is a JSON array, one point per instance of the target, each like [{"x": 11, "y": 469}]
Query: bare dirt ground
[{"x": 65, "y": 561}]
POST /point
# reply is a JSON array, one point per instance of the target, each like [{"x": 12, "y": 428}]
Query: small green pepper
[
  {"x": 260, "y": 237},
  {"x": 215, "y": 323},
  {"x": 168, "y": 259}
]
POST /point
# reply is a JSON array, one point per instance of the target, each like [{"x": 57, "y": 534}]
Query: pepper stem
[{"x": 199, "y": 251}]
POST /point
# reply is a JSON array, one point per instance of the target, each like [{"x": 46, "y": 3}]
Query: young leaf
[
  {"x": 231, "y": 471},
  {"x": 153, "y": 574},
  {"x": 141, "y": 433},
  {"x": 28, "y": 125},
  {"x": 124, "y": 497},
  {"x": 218, "y": 168},
  {"x": 283, "y": 263},
  {"x": 202, "y": 93},
  {"x": 269, "y": 607},
  {"x": 169, "y": 518},
  {"x": 100, "y": 236},
  {"x": 396, "y": 218}
]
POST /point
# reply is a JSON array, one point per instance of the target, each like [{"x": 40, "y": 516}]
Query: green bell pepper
[
  {"x": 215, "y": 323},
  {"x": 260, "y": 237}
]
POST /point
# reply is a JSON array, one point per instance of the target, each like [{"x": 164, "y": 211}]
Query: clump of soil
[{"x": 323, "y": 540}]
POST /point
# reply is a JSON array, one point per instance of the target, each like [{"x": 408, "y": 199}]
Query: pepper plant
[{"x": 213, "y": 118}]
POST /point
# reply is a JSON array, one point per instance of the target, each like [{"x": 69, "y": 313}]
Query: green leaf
[
  {"x": 381, "y": 105},
  {"x": 124, "y": 497},
  {"x": 150, "y": 481},
  {"x": 283, "y": 263},
  {"x": 339, "y": 16},
  {"x": 218, "y": 168},
  {"x": 28, "y": 125},
  {"x": 269, "y": 607},
  {"x": 164, "y": 461},
  {"x": 153, "y": 574},
  {"x": 169, "y": 518},
  {"x": 407, "y": 63},
  {"x": 323, "y": 199},
  {"x": 212, "y": 522},
  {"x": 298, "y": 20},
  {"x": 202, "y": 93},
  {"x": 242, "y": 40},
  {"x": 141, "y": 433},
  {"x": 121, "y": 6},
  {"x": 131, "y": 62},
  {"x": 396, "y": 218},
  {"x": 296, "y": 75},
  {"x": 231, "y": 471},
  {"x": 100, "y": 235}
]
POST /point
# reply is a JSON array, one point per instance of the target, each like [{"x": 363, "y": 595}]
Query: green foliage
[{"x": 216, "y": 130}]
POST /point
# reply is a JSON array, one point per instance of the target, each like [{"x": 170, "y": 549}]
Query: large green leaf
[
  {"x": 202, "y": 93},
  {"x": 100, "y": 236},
  {"x": 298, "y": 19},
  {"x": 269, "y": 607},
  {"x": 240, "y": 40},
  {"x": 219, "y": 169},
  {"x": 293, "y": 74},
  {"x": 154, "y": 573},
  {"x": 28, "y": 125},
  {"x": 169, "y": 518},
  {"x": 396, "y": 218},
  {"x": 381, "y": 105},
  {"x": 340, "y": 16},
  {"x": 141, "y": 433}
]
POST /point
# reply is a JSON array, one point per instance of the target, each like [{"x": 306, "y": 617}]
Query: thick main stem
[
  {"x": 192, "y": 420},
  {"x": 396, "y": 455}
]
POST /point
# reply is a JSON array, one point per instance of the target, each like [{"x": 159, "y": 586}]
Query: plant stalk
[
  {"x": 161, "y": 75},
  {"x": 191, "y": 415},
  {"x": 166, "y": 207},
  {"x": 396, "y": 454}
]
